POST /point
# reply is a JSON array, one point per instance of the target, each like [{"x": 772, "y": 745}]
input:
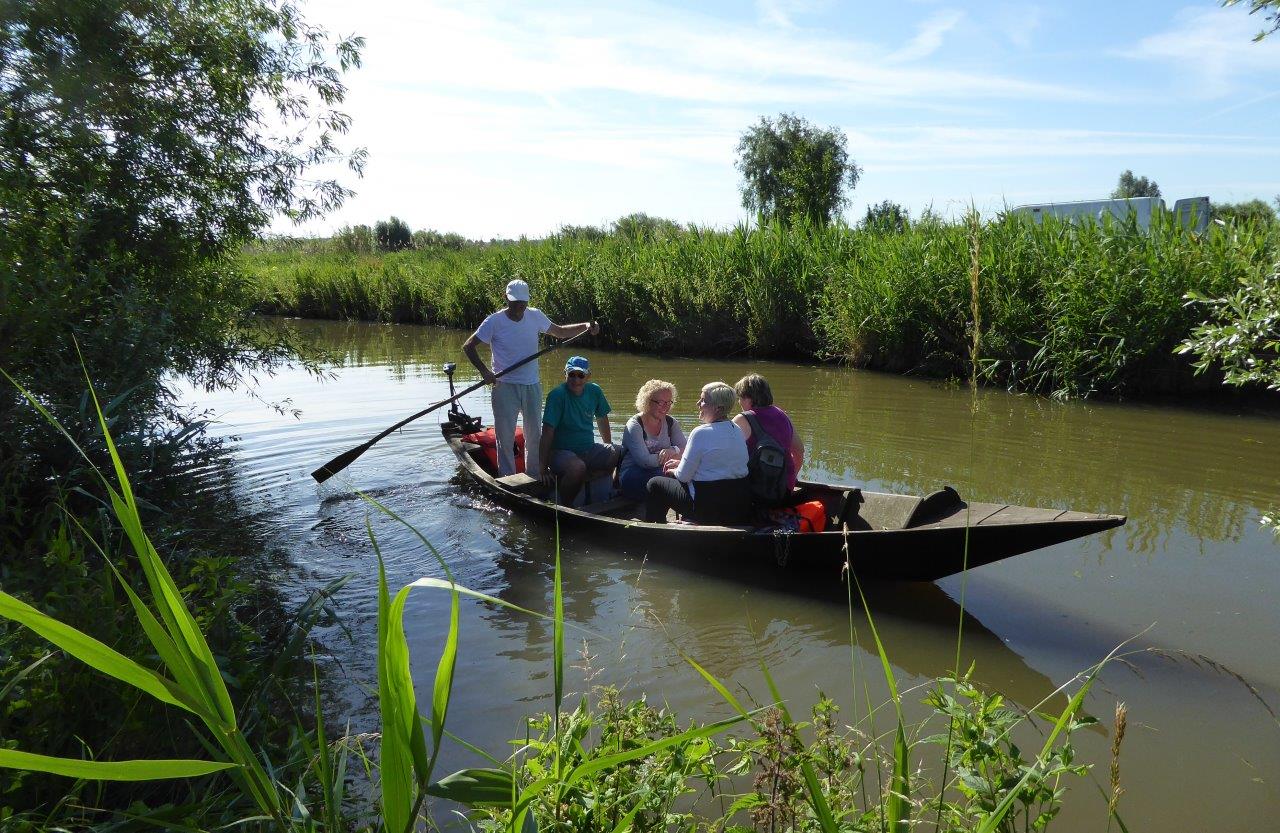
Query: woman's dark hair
[{"x": 755, "y": 387}]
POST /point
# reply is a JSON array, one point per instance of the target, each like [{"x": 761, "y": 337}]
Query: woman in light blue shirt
[{"x": 708, "y": 484}]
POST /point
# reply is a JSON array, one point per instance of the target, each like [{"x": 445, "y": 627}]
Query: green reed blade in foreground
[
  {"x": 398, "y": 707},
  {"x": 898, "y": 806},
  {"x": 180, "y": 643},
  {"x": 90, "y": 651},
  {"x": 476, "y": 787},
  {"x": 443, "y": 686},
  {"x": 146, "y": 770}
]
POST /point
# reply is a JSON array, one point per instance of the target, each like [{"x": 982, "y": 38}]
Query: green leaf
[
  {"x": 443, "y": 687},
  {"x": 597, "y": 764},
  {"x": 443, "y": 584},
  {"x": 479, "y": 787},
  {"x": 991, "y": 822},
  {"x": 90, "y": 651},
  {"x": 557, "y": 626},
  {"x": 716, "y": 684},
  {"x": 398, "y": 707},
  {"x": 145, "y": 770}
]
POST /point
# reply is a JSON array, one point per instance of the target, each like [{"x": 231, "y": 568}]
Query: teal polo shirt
[{"x": 574, "y": 417}]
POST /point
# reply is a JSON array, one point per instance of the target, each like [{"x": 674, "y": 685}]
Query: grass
[
  {"x": 1065, "y": 310},
  {"x": 558, "y": 778}
]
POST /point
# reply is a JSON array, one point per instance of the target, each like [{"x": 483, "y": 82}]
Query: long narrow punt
[{"x": 892, "y": 537}]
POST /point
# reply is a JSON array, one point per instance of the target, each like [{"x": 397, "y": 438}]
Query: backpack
[{"x": 766, "y": 466}]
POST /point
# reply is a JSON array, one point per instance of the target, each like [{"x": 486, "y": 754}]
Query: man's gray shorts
[{"x": 600, "y": 457}]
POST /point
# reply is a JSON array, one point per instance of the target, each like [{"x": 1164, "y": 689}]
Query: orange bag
[
  {"x": 489, "y": 443},
  {"x": 813, "y": 515},
  {"x": 810, "y": 516}
]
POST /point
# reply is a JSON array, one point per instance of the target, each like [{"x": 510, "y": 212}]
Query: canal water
[{"x": 1188, "y": 586}]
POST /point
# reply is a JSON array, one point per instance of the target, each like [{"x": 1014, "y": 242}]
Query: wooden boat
[{"x": 890, "y": 536}]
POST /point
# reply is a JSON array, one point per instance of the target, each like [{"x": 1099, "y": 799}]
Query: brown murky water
[{"x": 1190, "y": 581}]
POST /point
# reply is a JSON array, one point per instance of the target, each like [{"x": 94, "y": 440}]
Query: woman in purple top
[{"x": 755, "y": 396}]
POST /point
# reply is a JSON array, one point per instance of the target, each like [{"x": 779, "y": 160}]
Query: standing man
[
  {"x": 512, "y": 334},
  {"x": 569, "y": 449}
]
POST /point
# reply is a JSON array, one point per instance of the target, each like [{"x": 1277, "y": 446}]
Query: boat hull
[{"x": 962, "y": 537}]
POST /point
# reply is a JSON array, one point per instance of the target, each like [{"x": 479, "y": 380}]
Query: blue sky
[{"x": 503, "y": 119}]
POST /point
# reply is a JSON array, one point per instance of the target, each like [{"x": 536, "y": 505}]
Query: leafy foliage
[
  {"x": 640, "y": 227},
  {"x": 136, "y": 159},
  {"x": 432, "y": 239},
  {"x": 886, "y": 216},
  {"x": 989, "y": 766},
  {"x": 1242, "y": 333},
  {"x": 144, "y": 141},
  {"x": 792, "y": 170},
  {"x": 1131, "y": 186},
  {"x": 392, "y": 235},
  {"x": 1271, "y": 8},
  {"x": 1251, "y": 211}
]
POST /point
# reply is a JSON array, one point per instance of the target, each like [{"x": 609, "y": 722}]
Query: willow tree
[
  {"x": 142, "y": 142},
  {"x": 792, "y": 169}
]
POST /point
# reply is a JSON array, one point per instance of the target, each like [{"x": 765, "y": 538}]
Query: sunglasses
[
  {"x": 576, "y": 374},
  {"x": 661, "y": 403}
]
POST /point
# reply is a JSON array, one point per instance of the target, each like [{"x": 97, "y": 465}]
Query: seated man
[{"x": 568, "y": 449}]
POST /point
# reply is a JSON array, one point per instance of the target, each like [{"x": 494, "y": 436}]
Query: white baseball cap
[{"x": 518, "y": 290}]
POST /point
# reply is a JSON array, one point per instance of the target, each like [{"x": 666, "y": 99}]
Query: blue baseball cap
[{"x": 577, "y": 363}]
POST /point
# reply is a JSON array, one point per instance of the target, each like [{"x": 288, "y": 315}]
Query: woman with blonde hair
[
  {"x": 651, "y": 439},
  {"x": 708, "y": 484}
]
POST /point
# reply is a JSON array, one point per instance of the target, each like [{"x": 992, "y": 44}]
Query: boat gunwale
[{"x": 491, "y": 482}]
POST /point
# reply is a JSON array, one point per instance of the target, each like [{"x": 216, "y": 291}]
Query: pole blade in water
[{"x": 338, "y": 463}]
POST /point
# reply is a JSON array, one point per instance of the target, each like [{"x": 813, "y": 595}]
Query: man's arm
[
  {"x": 469, "y": 347},
  {"x": 606, "y": 433},
  {"x": 570, "y": 330}
]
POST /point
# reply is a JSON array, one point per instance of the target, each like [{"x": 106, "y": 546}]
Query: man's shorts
[{"x": 599, "y": 458}]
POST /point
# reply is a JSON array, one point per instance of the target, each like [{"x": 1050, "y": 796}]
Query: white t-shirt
[
  {"x": 512, "y": 341},
  {"x": 716, "y": 451}
]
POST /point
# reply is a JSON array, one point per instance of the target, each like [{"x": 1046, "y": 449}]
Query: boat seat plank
[
  {"x": 883, "y": 511},
  {"x": 520, "y": 482}
]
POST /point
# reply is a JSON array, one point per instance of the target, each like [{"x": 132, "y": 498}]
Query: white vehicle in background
[{"x": 1190, "y": 212}]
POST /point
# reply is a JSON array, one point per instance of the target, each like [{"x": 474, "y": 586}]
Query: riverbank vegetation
[
  {"x": 135, "y": 164},
  {"x": 1062, "y": 309}
]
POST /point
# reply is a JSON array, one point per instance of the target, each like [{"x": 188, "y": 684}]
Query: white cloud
[
  {"x": 667, "y": 53},
  {"x": 1210, "y": 51},
  {"x": 928, "y": 37},
  {"x": 1019, "y": 23},
  {"x": 493, "y": 119}
]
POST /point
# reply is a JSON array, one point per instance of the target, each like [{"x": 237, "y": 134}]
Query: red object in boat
[{"x": 487, "y": 441}]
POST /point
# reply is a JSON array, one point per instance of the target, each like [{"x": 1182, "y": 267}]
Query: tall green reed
[{"x": 1065, "y": 309}]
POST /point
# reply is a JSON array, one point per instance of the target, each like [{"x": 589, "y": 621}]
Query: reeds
[{"x": 1063, "y": 309}]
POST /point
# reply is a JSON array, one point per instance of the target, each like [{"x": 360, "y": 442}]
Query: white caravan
[{"x": 1191, "y": 212}]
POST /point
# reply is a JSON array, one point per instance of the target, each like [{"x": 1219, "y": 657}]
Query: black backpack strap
[
  {"x": 757, "y": 431},
  {"x": 671, "y": 429}
]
